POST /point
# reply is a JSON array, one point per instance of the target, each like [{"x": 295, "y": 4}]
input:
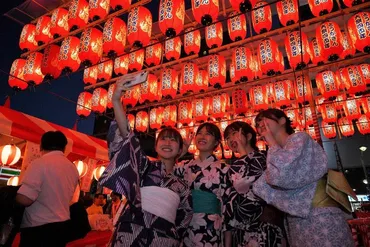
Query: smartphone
[{"x": 131, "y": 80}]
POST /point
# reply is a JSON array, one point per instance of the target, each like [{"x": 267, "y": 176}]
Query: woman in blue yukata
[
  {"x": 295, "y": 182},
  {"x": 247, "y": 219},
  {"x": 206, "y": 177},
  {"x": 159, "y": 203}
]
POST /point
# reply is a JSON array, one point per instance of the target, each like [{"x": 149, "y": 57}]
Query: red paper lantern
[
  {"x": 348, "y": 48},
  {"x": 98, "y": 9},
  {"x": 237, "y": 26},
  {"x": 142, "y": 121},
  {"x": 49, "y": 63},
  {"x": 214, "y": 35},
  {"x": 169, "y": 83},
  {"x": 114, "y": 37},
  {"x": 111, "y": 89},
  {"x": 293, "y": 115},
  {"x": 328, "y": 130},
  {"x": 201, "y": 109},
  {"x": 258, "y": 97},
  {"x": 153, "y": 53},
  {"x": 68, "y": 58},
  {"x": 339, "y": 101},
  {"x": 205, "y": 12},
  {"x": 297, "y": 49},
  {"x": 363, "y": 125},
  {"x": 242, "y": 5},
  {"x": 78, "y": 14},
  {"x": 217, "y": 70},
  {"x": 328, "y": 113},
  {"x": 268, "y": 53},
  {"x": 170, "y": 116},
  {"x": 59, "y": 23},
  {"x": 173, "y": 48},
  {"x": 131, "y": 96},
  {"x": 105, "y": 71},
  {"x": 218, "y": 106},
  {"x": 327, "y": 84},
  {"x": 358, "y": 28},
  {"x": 281, "y": 67},
  {"x": 311, "y": 131},
  {"x": 330, "y": 40},
  {"x": 91, "y": 46},
  {"x": 353, "y": 79},
  {"x": 99, "y": 100},
  {"x": 16, "y": 71},
  {"x": 171, "y": 17},
  {"x": 121, "y": 65},
  {"x": 83, "y": 107},
  {"x": 280, "y": 91},
  {"x": 232, "y": 73},
  {"x": 32, "y": 69},
  {"x": 346, "y": 127},
  {"x": 156, "y": 118},
  {"x": 227, "y": 100},
  {"x": 352, "y": 109},
  {"x": 27, "y": 40},
  {"x": 202, "y": 81},
  {"x": 42, "y": 35},
  {"x": 288, "y": 12},
  {"x": 256, "y": 67},
  {"x": 315, "y": 53},
  {"x": 365, "y": 70},
  {"x": 154, "y": 90},
  {"x": 139, "y": 26},
  {"x": 189, "y": 76},
  {"x": 136, "y": 60},
  {"x": 90, "y": 75},
  {"x": 308, "y": 118},
  {"x": 131, "y": 121},
  {"x": 320, "y": 7},
  {"x": 270, "y": 92},
  {"x": 291, "y": 89},
  {"x": 185, "y": 113},
  {"x": 120, "y": 4},
  {"x": 192, "y": 41},
  {"x": 240, "y": 102},
  {"x": 242, "y": 59},
  {"x": 303, "y": 89},
  {"x": 144, "y": 92},
  {"x": 261, "y": 17}
]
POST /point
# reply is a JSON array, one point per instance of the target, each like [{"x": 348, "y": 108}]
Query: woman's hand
[
  {"x": 120, "y": 88},
  {"x": 186, "y": 144},
  {"x": 268, "y": 135}
]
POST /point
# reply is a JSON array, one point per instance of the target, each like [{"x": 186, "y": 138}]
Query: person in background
[
  {"x": 295, "y": 182},
  {"x": 46, "y": 191},
  {"x": 96, "y": 207},
  {"x": 114, "y": 205},
  {"x": 206, "y": 178},
  {"x": 247, "y": 218},
  {"x": 159, "y": 210}
]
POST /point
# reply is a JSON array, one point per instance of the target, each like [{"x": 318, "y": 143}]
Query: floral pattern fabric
[
  {"x": 129, "y": 170},
  {"x": 289, "y": 183},
  {"x": 205, "y": 230}
]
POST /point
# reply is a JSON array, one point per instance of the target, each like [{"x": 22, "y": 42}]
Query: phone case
[{"x": 134, "y": 79}]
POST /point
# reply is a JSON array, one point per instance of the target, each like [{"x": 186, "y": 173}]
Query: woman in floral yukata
[
  {"x": 206, "y": 177},
  {"x": 294, "y": 182},
  {"x": 159, "y": 203},
  {"x": 247, "y": 219}
]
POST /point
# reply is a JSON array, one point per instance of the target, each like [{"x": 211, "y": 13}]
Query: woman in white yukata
[
  {"x": 293, "y": 182},
  {"x": 206, "y": 177}
]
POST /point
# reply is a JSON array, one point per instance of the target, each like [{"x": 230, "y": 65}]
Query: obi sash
[
  {"x": 161, "y": 202},
  {"x": 205, "y": 202}
]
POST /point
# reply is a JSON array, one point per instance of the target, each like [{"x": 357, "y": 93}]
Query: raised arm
[{"x": 119, "y": 111}]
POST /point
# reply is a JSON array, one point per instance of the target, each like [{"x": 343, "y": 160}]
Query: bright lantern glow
[
  {"x": 10, "y": 154},
  {"x": 363, "y": 148},
  {"x": 81, "y": 167},
  {"x": 13, "y": 181},
  {"x": 98, "y": 172},
  {"x": 364, "y": 181}
]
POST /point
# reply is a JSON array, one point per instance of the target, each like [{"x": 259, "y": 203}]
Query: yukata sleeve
[
  {"x": 184, "y": 213},
  {"x": 127, "y": 167},
  {"x": 179, "y": 169},
  {"x": 228, "y": 198},
  {"x": 301, "y": 162},
  {"x": 222, "y": 193}
]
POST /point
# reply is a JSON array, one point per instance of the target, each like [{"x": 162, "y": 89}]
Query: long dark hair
[
  {"x": 275, "y": 114},
  {"x": 213, "y": 130},
  {"x": 246, "y": 129}
]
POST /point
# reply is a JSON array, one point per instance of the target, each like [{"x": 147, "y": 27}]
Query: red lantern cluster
[
  {"x": 121, "y": 65},
  {"x": 214, "y": 35},
  {"x": 16, "y": 79},
  {"x": 131, "y": 121},
  {"x": 218, "y": 106},
  {"x": 363, "y": 125},
  {"x": 242, "y": 5},
  {"x": 83, "y": 108},
  {"x": 353, "y": 79},
  {"x": 142, "y": 121},
  {"x": 320, "y": 7},
  {"x": 136, "y": 60},
  {"x": 329, "y": 40},
  {"x": 153, "y": 53},
  {"x": 171, "y": 17},
  {"x": 98, "y": 9},
  {"x": 131, "y": 96},
  {"x": 78, "y": 14},
  {"x": 327, "y": 84},
  {"x": 358, "y": 28},
  {"x": 281, "y": 93},
  {"x": 268, "y": 56},
  {"x": 258, "y": 97},
  {"x": 91, "y": 46},
  {"x": 202, "y": 81},
  {"x": 69, "y": 60},
  {"x": 346, "y": 127},
  {"x": 189, "y": 76},
  {"x": 352, "y": 109},
  {"x": 105, "y": 71},
  {"x": 288, "y": 12},
  {"x": 114, "y": 37},
  {"x": 328, "y": 113},
  {"x": 205, "y": 12},
  {"x": 173, "y": 48},
  {"x": 237, "y": 26},
  {"x": 348, "y": 49},
  {"x": 185, "y": 113},
  {"x": 90, "y": 75},
  {"x": 111, "y": 90},
  {"x": 242, "y": 62},
  {"x": 27, "y": 40},
  {"x": 297, "y": 49},
  {"x": 156, "y": 118},
  {"x": 120, "y": 4},
  {"x": 201, "y": 109},
  {"x": 217, "y": 71},
  {"x": 59, "y": 23},
  {"x": 240, "y": 101},
  {"x": 139, "y": 26},
  {"x": 315, "y": 53},
  {"x": 328, "y": 130},
  {"x": 192, "y": 41},
  {"x": 365, "y": 70},
  {"x": 303, "y": 89},
  {"x": 99, "y": 100},
  {"x": 49, "y": 63},
  {"x": 32, "y": 69},
  {"x": 169, "y": 83},
  {"x": 170, "y": 116},
  {"x": 155, "y": 93},
  {"x": 262, "y": 17},
  {"x": 42, "y": 35}
]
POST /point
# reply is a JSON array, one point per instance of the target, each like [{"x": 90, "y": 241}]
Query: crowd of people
[{"x": 273, "y": 199}]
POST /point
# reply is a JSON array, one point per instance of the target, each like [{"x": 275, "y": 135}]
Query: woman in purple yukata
[
  {"x": 159, "y": 203},
  {"x": 292, "y": 182},
  {"x": 247, "y": 219},
  {"x": 206, "y": 177}
]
